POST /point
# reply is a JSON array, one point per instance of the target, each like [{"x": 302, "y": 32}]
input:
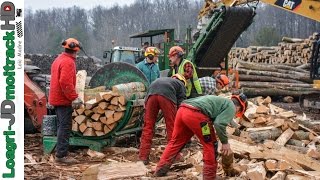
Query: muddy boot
[
  {"x": 162, "y": 171},
  {"x": 66, "y": 160}
]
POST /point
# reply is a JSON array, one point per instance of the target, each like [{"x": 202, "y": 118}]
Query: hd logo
[
  {"x": 7, "y": 15},
  {"x": 288, "y": 4}
]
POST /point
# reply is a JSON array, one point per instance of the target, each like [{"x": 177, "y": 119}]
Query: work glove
[{"x": 77, "y": 103}]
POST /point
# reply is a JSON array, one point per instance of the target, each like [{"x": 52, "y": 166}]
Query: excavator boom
[{"x": 306, "y": 8}]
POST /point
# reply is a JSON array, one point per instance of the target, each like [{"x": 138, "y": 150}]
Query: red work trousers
[
  {"x": 187, "y": 123},
  {"x": 153, "y": 105}
]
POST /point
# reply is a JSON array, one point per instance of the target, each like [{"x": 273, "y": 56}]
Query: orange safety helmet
[
  {"x": 222, "y": 79},
  {"x": 176, "y": 50},
  {"x": 242, "y": 99},
  {"x": 181, "y": 78},
  {"x": 152, "y": 51},
  {"x": 72, "y": 44}
]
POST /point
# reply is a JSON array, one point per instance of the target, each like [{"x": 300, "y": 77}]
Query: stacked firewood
[
  {"x": 103, "y": 110},
  {"x": 44, "y": 62},
  {"x": 292, "y": 51}
]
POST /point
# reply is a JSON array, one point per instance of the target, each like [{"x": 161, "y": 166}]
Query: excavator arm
[{"x": 306, "y": 8}]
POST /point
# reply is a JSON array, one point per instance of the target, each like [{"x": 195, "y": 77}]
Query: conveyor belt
[{"x": 223, "y": 30}]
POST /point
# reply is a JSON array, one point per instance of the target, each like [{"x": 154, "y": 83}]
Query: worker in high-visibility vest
[{"x": 187, "y": 69}]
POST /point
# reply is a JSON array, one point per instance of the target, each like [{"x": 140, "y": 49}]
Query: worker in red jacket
[
  {"x": 63, "y": 96},
  {"x": 197, "y": 116},
  {"x": 165, "y": 94}
]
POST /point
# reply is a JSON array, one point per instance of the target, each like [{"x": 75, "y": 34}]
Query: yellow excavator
[{"x": 306, "y": 8}]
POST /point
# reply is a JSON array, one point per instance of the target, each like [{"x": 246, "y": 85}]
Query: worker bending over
[
  {"x": 63, "y": 96},
  {"x": 166, "y": 94},
  {"x": 213, "y": 86},
  {"x": 196, "y": 116},
  {"x": 187, "y": 69},
  {"x": 149, "y": 66}
]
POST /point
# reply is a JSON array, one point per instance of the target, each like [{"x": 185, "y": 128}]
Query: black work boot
[{"x": 162, "y": 171}]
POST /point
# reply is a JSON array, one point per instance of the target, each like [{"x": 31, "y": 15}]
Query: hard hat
[
  {"x": 152, "y": 51},
  {"x": 176, "y": 50},
  {"x": 181, "y": 78},
  {"x": 222, "y": 79},
  {"x": 71, "y": 44},
  {"x": 242, "y": 99}
]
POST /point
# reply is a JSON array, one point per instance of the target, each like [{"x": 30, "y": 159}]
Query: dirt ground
[{"x": 39, "y": 166}]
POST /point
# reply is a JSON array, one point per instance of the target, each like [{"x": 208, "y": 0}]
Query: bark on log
[
  {"x": 304, "y": 77},
  {"x": 274, "y": 84},
  {"x": 273, "y": 92},
  {"x": 260, "y": 136},
  {"x": 292, "y": 40},
  {"x": 245, "y": 77}
]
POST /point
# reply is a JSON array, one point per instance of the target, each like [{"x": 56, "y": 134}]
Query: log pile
[
  {"x": 273, "y": 145},
  {"x": 291, "y": 51},
  {"x": 44, "y": 61},
  {"x": 103, "y": 110},
  {"x": 281, "y": 70}
]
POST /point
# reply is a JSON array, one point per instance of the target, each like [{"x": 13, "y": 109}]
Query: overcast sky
[{"x": 87, "y": 4}]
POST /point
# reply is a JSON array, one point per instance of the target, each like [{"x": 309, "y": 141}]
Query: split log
[
  {"x": 108, "y": 96},
  {"x": 114, "y": 101},
  {"x": 98, "y": 126},
  {"x": 296, "y": 177},
  {"x": 80, "y": 119},
  {"x": 122, "y": 100},
  {"x": 103, "y": 120},
  {"x": 117, "y": 116},
  {"x": 100, "y": 110},
  {"x": 112, "y": 107},
  {"x": 91, "y": 104},
  {"x": 89, "y": 123},
  {"x": 82, "y": 127},
  {"x": 74, "y": 113},
  {"x": 89, "y": 132},
  {"x": 271, "y": 165},
  {"x": 80, "y": 111},
  {"x": 81, "y": 83},
  {"x": 280, "y": 175},
  {"x": 109, "y": 113},
  {"x": 128, "y": 87},
  {"x": 284, "y": 137},
  {"x": 99, "y": 133},
  {"x": 103, "y": 105},
  {"x": 274, "y": 84},
  {"x": 75, "y": 126},
  {"x": 99, "y": 95},
  {"x": 256, "y": 171},
  {"x": 88, "y": 112},
  {"x": 96, "y": 117}
]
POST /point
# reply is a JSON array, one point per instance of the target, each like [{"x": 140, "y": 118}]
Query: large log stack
[
  {"x": 103, "y": 110},
  {"x": 281, "y": 70},
  {"x": 44, "y": 61}
]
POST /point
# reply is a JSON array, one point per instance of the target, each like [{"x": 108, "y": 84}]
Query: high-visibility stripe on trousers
[
  {"x": 153, "y": 105},
  {"x": 187, "y": 123}
]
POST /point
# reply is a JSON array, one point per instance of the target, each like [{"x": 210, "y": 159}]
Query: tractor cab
[{"x": 122, "y": 54}]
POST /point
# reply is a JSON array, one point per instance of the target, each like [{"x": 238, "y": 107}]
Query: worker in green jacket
[
  {"x": 198, "y": 116},
  {"x": 149, "y": 66},
  {"x": 187, "y": 69}
]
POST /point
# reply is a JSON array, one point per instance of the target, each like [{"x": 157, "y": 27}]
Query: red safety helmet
[
  {"x": 223, "y": 80},
  {"x": 242, "y": 99},
  {"x": 176, "y": 50},
  {"x": 71, "y": 44},
  {"x": 181, "y": 78}
]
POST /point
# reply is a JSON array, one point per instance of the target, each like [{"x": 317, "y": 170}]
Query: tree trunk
[{"x": 254, "y": 78}]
